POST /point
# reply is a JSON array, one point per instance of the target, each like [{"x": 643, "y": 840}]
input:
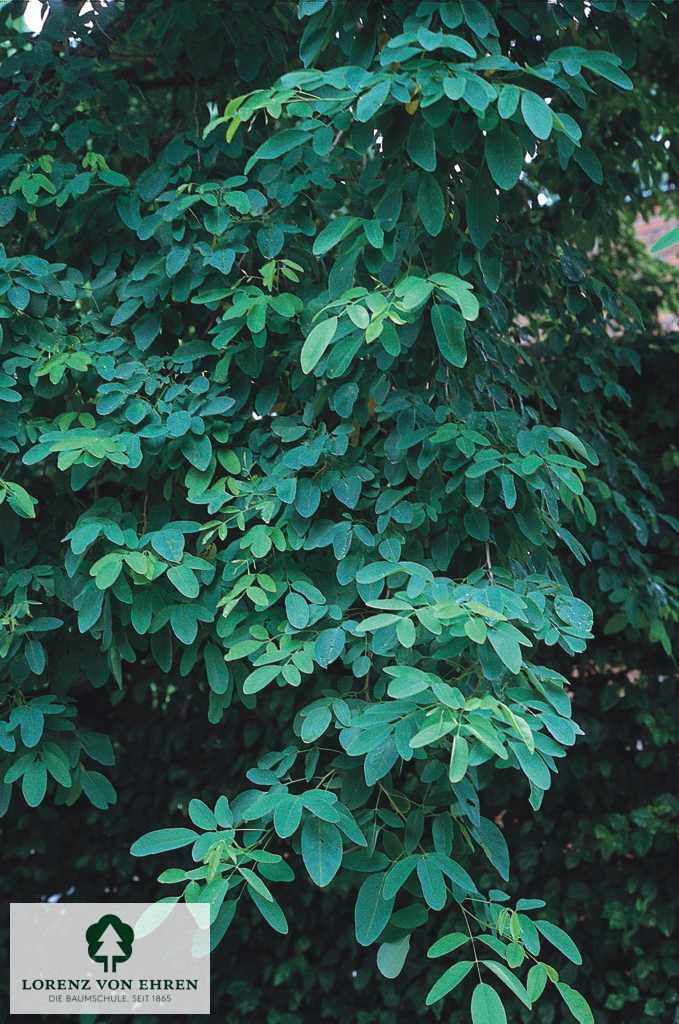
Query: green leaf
[
  {"x": 448, "y": 327},
  {"x": 504, "y": 156},
  {"x": 391, "y": 957},
  {"x": 317, "y": 342},
  {"x": 20, "y": 501},
  {"x": 478, "y": 18},
  {"x": 371, "y": 101},
  {"x": 510, "y": 980},
  {"x": 537, "y": 114},
  {"x": 438, "y": 725},
  {"x": 374, "y": 622},
  {"x": 176, "y": 259},
  {"x": 8, "y": 207},
  {"x": 506, "y": 647},
  {"x": 260, "y": 678},
  {"x": 563, "y": 942},
  {"x": 329, "y": 646},
  {"x": 184, "y": 580},
  {"x": 57, "y": 767},
  {"x": 107, "y": 570},
  {"x": 169, "y": 544},
  {"x": 448, "y": 981},
  {"x": 406, "y": 633},
  {"x": 380, "y": 761},
  {"x": 398, "y": 874},
  {"x": 321, "y": 850},
  {"x": 459, "y": 759},
  {"x": 201, "y": 815},
  {"x": 282, "y": 142},
  {"x": 590, "y": 164},
  {"x": 161, "y": 840},
  {"x": 432, "y": 883},
  {"x": 574, "y": 612},
  {"x": 535, "y": 984},
  {"x": 34, "y": 784},
  {"x": 333, "y": 233},
  {"x": 184, "y": 623},
  {"x": 255, "y": 883},
  {"x": 32, "y": 723},
  {"x": 487, "y": 1006},
  {"x": 447, "y": 944},
  {"x": 460, "y": 292},
  {"x": 287, "y": 815},
  {"x": 270, "y": 911},
  {"x": 431, "y": 204},
  {"x": 314, "y": 724},
  {"x": 217, "y": 673},
  {"x": 482, "y": 209},
  {"x": 322, "y": 804},
  {"x": 297, "y": 610},
  {"x": 422, "y": 145},
  {"x": 372, "y": 911},
  {"x": 508, "y": 101},
  {"x": 577, "y": 1004},
  {"x": 670, "y": 237}
]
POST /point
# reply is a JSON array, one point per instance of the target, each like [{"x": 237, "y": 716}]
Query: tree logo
[{"x": 109, "y": 942}]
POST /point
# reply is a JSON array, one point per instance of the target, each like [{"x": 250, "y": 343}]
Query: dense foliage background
[{"x": 354, "y": 370}]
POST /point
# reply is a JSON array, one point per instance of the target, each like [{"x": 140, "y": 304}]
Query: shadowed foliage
[{"x": 338, "y": 498}]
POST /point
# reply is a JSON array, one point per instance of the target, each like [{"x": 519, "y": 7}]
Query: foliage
[{"x": 318, "y": 458}]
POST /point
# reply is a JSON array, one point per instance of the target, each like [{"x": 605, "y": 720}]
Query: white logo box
[{"x": 109, "y": 958}]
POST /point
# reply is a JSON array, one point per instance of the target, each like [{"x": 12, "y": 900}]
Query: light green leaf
[
  {"x": 391, "y": 957},
  {"x": 372, "y": 911},
  {"x": 448, "y": 981},
  {"x": 297, "y": 610},
  {"x": 563, "y": 942},
  {"x": 255, "y": 883},
  {"x": 317, "y": 342},
  {"x": 506, "y": 648},
  {"x": 333, "y": 233},
  {"x": 432, "y": 883},
  {"x": 665, "y": 241},
  {"x": 287, "y": 815},
  {"x": 161, "y": 840},
  {"x": 398, "y": 874},
  {"x": 535, "y": 984},
  {"x": 504, "y": 156},
  {"x": 508, "y": 101},
  {"x": 447, "y": 944},
  {"x": 431, "y": 204},
  {"x": 448, "y": 327},
  {"x": 371, "y": 101},
  {"x": 282, "y": 142},
  {"x": 321, "y": 850},
  {"x": 184, "y": 580},
  {"x": 34, "y": 784},
  {"x": 487, "y": 1006},
  {"x": 459, "y": 759},
  {"x": 260, "y": 678},
  {"x": 537, "y": 114},
  {"x": 577, "y": 1004},
  {"x": 270, "y": 911},
  {"x": 510, "y": 980}
]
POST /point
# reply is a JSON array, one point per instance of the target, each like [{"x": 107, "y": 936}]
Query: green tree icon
[{"x": 109, "y": 941}]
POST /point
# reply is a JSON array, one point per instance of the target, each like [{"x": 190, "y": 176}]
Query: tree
[
  {"x": 110, "y": 948},
  {"x": 109, "y": 941},
  {"x": 316, "y": 417}
]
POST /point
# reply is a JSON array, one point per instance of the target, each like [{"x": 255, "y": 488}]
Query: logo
[
  {"x": 109, "y": 942},
  {"x": 140, "y": 960}
]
